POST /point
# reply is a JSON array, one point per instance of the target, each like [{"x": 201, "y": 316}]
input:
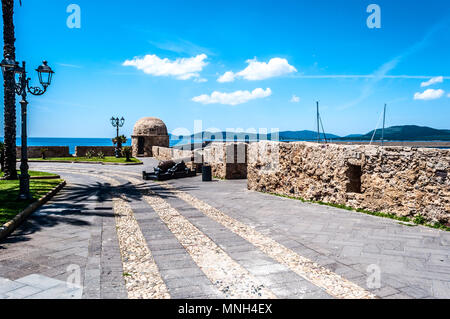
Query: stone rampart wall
[
  {"x": 51, "y": 151},
  {"x": 400, "y": 180},
  {"x": 227, "y": 160},
  {"x": 166, "y": 153}
]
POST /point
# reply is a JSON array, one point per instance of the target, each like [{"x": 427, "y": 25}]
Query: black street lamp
[
  {"x": 118, "y": 123},
  {"x": 22, "y": 86}
]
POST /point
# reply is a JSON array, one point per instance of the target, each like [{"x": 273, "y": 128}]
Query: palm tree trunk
[{"x": 10, "y": 95}]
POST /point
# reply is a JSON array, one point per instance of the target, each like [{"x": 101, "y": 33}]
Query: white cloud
[
  {"x": 181, "y": 68},
  {"x": 227, "y": 77},
  {"x": 438, "y": 79},
  {"x": 260, "y": 70},
  {"x": 200, "y": 80},
  {"x": 295, "y": 99},
  {"x": 70, "y": 65},
  {"x": 234, "y": 98},
  {"x": 429, "y": 94}
]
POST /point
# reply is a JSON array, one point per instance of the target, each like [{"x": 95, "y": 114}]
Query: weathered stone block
[
  {"x": 227, "y": 160},
  {"x": 51, "y": 151}
]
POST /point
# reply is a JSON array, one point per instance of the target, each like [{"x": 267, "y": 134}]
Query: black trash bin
[{"x": 206, "y": 173}]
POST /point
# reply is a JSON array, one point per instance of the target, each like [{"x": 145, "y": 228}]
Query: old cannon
[{"x": 169, "y": 170}]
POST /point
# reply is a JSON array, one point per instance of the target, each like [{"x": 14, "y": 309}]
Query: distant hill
[
  {"x": 394, "y": 133},
  {"x": 406, "y": 133},
  {"x": 303, "y": 135}
]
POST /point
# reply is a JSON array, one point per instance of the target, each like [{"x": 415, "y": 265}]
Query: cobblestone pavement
[{"x": 109, "y": 234}]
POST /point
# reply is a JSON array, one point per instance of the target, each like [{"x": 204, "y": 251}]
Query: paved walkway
[{"x": 108, "y": 234}]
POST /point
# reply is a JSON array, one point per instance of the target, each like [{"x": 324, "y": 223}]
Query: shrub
[
  {"x": 122, "y": 139},
  {"x": 90, "y": 154},
  {"x": 43, "y": 150},
  {"x": 101, "y": 155},
  {"x": 127, "y": 152},
  {"x": 419, "y": 220}
]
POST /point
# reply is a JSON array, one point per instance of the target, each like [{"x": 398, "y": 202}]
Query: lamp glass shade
[
  {"x": 8, "y": 64},
  {"x": 45, "y": 74}
]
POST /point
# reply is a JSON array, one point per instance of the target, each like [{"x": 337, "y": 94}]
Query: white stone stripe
[
  {"x": 225, "y": 273},
  {"x": 334, "y": 284},
  {"x": 141, "y": 274},
  {"x": 142, "y": 277}
]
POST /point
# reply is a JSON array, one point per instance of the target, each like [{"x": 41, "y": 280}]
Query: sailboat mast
[
  {"x": 384, "y": 122},
  {"x": 318, "y": 124}
]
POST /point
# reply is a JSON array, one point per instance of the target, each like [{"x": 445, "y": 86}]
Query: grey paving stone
[
  {"x": 399, "y": 296},
  {"x": 349, "y": 251},
  {"x": 39, "y": 281},
  {"x": 385, "y": 291},
  {"x": 415, "y": 292},
  {"x": 265, "y": 269},
  {"x": 22, "y": 292},
  {"x": 187, "y": 281},
  {"x": 61, "y": 291},
  {"x": 174, "y": 264},
  {"x": 181, "y": 273},
  {"x": 325, "y": 235},
  {"x": 380, "y": 239},
  {"x": 166, "y": 244},
  {"x": 441, "y": 289},
  {"x": 171, "y": 257},
  {"x": 7, "y": 285}
]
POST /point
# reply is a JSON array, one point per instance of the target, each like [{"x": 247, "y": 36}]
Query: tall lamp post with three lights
[
  {"x": 118, "y": 123},
  {"x": 22, "y": 87}
]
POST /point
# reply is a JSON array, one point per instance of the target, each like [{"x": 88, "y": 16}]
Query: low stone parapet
[
  {"x": 404, "y": 181},
  {"x": 167, "y": 153},
  {"x": 178, "y": 155},
  {"x": 227, "y": 160},
  {"x": 50, "y": 151}
]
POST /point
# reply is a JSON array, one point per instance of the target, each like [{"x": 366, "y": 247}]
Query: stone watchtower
[{"x": 148, "y": 132}]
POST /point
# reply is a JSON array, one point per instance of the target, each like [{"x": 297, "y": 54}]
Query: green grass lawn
[
  {"x": 107, "y": 159},
  {"x": 9, "y": 191},
  {"x": 34, "y": 174}
]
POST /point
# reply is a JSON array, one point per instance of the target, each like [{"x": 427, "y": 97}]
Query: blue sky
[{"x": 164, "y": 59}]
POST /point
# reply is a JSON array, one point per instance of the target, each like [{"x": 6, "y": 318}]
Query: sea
[
  {"x": 70, "y": 142},
  {"x": 73, "y": 142}
]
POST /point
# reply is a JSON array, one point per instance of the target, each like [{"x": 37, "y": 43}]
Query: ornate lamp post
[
  {"x": 118, "y": 123},
  {"x": 22, "y": 87}
]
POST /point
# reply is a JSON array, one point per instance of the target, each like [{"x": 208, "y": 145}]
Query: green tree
[
  {"x": 127, "y": 151},
  {"x": 9, "y": 50},
  {"x": 119, "y": 140}
]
